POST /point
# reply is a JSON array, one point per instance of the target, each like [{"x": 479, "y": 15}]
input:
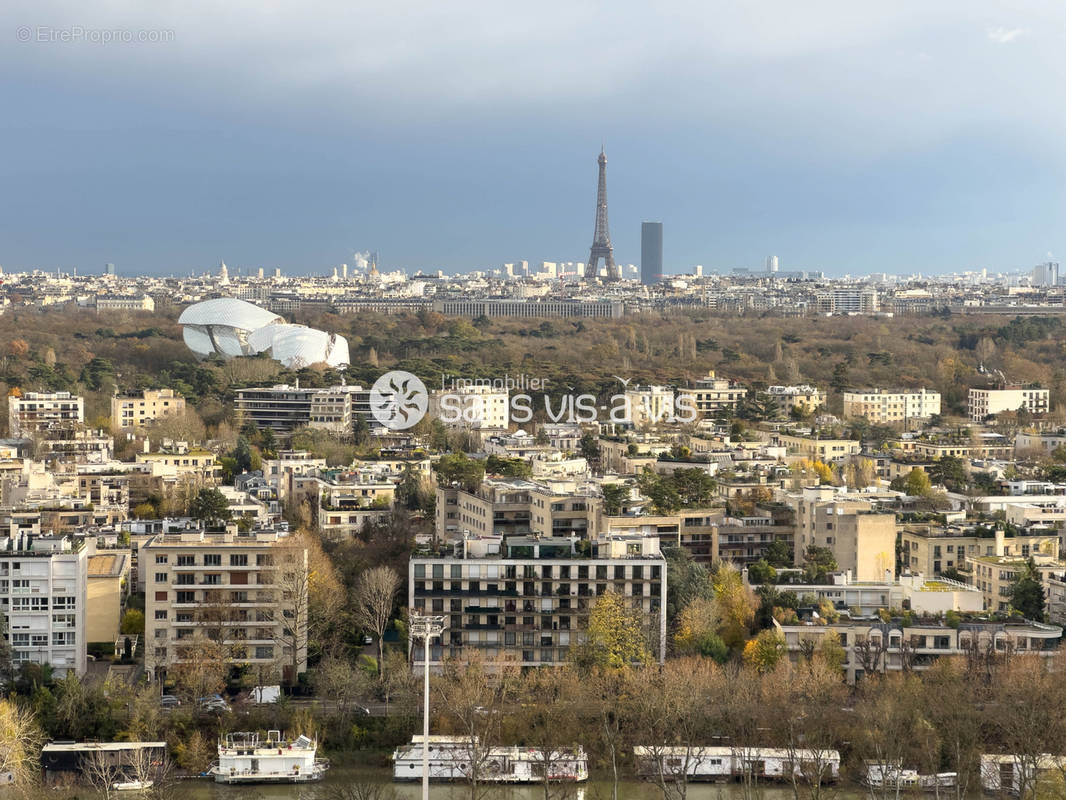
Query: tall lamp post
[{"x": 425, "y": 628}]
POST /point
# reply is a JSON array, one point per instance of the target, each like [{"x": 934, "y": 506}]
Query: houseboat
[
  {"x": 881, "y": 776},
  {"x": 450, "y": 757},
  {"x": 729, "y": 763},
  {"x": 1014, "y": 774},
  {"x": 244, "y": 757}
]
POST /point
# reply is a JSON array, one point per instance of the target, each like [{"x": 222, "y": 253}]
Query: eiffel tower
[{"x": 601, "y": 239}]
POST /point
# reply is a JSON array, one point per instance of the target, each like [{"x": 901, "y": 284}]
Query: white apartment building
[
  {"x": 43, "y": 589},
  {"x": 648, "y": 405},
  {"x": 35, "y": 411},
  {"x": 140, "y": 410},
  {"x": 141, "y": 302},
  {"x": 883, "y": 406},
  {"x": 474, "y": 406},
  {"x": 712, "y": 394},
  {"x": 239, "y": 590},
  {"x": 982, "y": 403}
]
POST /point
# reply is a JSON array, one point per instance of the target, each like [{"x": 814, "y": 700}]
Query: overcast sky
[{"x": 840, "y": 135}]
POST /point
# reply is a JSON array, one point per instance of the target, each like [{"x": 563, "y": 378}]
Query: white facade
[
  {"x": 479, "y": 407},
  {"x": 984, "y": 402},
  {"x": 883, "y": 406},
  {"x": 36, "y": 410},
  {"x": 649, "y": 405},
  {"x": 43, "y": 588}
]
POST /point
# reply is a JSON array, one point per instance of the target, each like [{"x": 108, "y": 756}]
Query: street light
[{"x": 425, "y": 628}]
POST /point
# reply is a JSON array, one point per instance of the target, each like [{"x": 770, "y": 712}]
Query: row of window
[
  {"x": 215, "y": 560},
  {"x": 533, "y": 571}
]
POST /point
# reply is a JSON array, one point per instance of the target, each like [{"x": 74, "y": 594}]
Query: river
[{"x": 594, "y": 790}]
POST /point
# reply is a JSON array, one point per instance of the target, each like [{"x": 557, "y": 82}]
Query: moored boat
[
  {"x": 451, "y": 758},
  {"x": 244, "y": 757}
]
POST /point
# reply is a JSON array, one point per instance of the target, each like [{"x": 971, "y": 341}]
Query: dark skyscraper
[
  {"x": 651, "y": 252},
  {"x": 601, "y": 238}
]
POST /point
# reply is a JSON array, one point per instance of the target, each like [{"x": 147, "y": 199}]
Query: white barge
[
  {"x": 244, "y": 758},
  {"x": 728, "y": 763},
  {"x": 450, "y": 757},
  {"x": 893, "y": 776}
]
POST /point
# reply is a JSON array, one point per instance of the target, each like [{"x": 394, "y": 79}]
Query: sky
[{"x": 898, "y": 137}]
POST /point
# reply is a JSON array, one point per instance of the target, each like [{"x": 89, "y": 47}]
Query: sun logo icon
[{"x": 398, "y": 400}]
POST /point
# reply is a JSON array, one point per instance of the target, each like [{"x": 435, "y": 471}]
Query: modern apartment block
[
  {"x": 35, "y": 411},
  {"x": 284, "y": 408},
  {"x": 932, "y": 549},
  {"x": 982, "y": 403},
  {"x": 885, "y": 407},
  {"x": 745, "y": 540},
  {"x": 137, "y": 411},
  {"x": 43, "y": 589},
  {"x": 878, "y": 647},
  {"x": 862, "y": 540},
  {"x": 526, "y": 599},
  {"x": 504, "y": 507},
  {"x": 711, "y": 394},
  {"x": 244, "y": 591},
  {"x": 474, "y": 406}
]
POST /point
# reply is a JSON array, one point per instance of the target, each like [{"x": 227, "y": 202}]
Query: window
[
  {"x": 238, "y": 560},
  {"x": 212, "y": 580},
  {"x": 186, "y": 597},
  {"x": 186, "y": 561},
  {"x": 264, "y": 651},
  {"x": 160, "y": 559},
  {"x": 161, "y": 614},
  {"x": 161, "y": 597},
  {"x": 212, "y": 560},
  {"x": 160, "y": 577}
]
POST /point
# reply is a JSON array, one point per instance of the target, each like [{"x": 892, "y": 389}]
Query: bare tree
[
  {"x": 344, "y": 683},
  {"x": 101, "y": 769},
  {"x": 20, "y": 743},
  {"x": 547, "y": 720},
  {"x": 293, "y": 581},
  {"x": 373, "y": 601},
  {"x": 474, "y": 703}
]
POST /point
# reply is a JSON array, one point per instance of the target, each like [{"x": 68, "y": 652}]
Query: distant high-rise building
[
  {"x": 109, "y": 269},
  {"x": 1046, "y": 274},
  {"x": 601, "y": 237},
  {"x": 771, "y": 264},
  {"x": 651, "y": 252}
]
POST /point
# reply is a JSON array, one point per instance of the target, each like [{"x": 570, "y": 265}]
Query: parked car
[
  {"x": 169, "y": 701},
  {"x": 215, "y": 702},
  {"x": 368, "y": 640}
]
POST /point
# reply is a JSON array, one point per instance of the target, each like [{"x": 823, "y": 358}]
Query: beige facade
[
  {"x": 862, "y": 540},
  {"x": 932, "y": 549},
  {"x": 802, "y": 399},
  {"x": 505, "y": 507},
  {"x": 893, "y": 647},
  {"x": 995, "y": 575},
  {"x": 233, "y": 595},
  {"x": 139, "y": 411},
  {"x": 711, "y": 394},
  {"x": 107, "y": 584},
  {"x": 821, "y": 449},
  {"x": 882, "y": 406}
]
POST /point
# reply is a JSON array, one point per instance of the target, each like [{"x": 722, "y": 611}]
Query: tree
[
  {"x": 133, "y": 622},
  {"x": 736, "y": 603},
  {"x": 509, "y": 467},
  {"x": 818, "y": 563},
  {"x": 20, "y": 743},
  {"x": 915, "y": 484},
  {"x": 294, "y": 580},
  {"x": 779, "y": 554},
  {"x": 765, "y": 651},
  {"x": 373, "y": 601},
  {"x": 695, "y": 487},
  {"x": 615, "y": 496},
  {"x": 762, "y": 572},
  {"x": 615, "y": 635},
  {"x": 210, "y": 506},
  {"x": 473, "y": 703},
  {"x": 459, "y": 468},
  {"x": 589, "y": 447},
  {"x": 547, "y": 717},
  {"x": 697, "y": 630},
  {"x": 1027, "y": 593},
  {"x": 343, "y": 683},
  {"x": 242, "y": 454}
]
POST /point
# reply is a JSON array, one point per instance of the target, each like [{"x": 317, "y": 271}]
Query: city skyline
[{"x": 904, "y": 139}]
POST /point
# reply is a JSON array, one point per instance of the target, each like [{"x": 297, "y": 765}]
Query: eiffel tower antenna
[{"x": 601, "y": 238}]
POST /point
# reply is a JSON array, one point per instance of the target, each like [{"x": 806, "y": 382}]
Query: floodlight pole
[{"x": 425, "y": 628}]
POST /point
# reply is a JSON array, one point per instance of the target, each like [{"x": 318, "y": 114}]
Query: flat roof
[{"x": 74, "y": 747}]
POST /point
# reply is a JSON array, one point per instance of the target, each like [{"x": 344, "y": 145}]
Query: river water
[{"x": 345, "y": 776}]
